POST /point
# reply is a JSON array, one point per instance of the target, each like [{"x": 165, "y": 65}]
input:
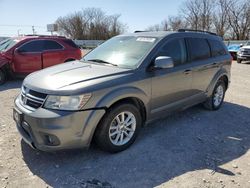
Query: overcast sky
[{"x": 20, "y": 15}]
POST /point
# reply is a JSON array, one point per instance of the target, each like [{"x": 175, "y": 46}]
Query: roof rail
[
  {"x": 44, "y": 36},
  {"x": 193, "y": 30},
  {"x": 139, "y": 31}
]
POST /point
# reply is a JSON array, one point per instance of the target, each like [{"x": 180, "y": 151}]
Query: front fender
[
  {"x": 122, "y": 93},
  {"x": 3, "y": 62},
  {"x": 217, "y": 76}
]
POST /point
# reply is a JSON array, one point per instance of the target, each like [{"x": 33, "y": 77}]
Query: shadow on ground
[
  {"x": 12, "y": 84},
  {"x": 245, "y": 62},
  {"x": 191, "y": 140}
]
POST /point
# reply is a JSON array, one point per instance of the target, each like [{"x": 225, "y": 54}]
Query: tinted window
[
  {"x": 175, "y": 49},
  {"x": 216, "y": 48},
  {"x": 51, "y": 45},
  {"x": 198, "y": 48},
  {"x": 70, "y": 43},
  {"x": 33, "y": 46}
]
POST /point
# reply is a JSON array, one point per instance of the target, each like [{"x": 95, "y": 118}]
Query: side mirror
[
  {"x": 17, "y": 51},
  {"x": 241, "y": 45},
  {"x": 164, "y": 62}
]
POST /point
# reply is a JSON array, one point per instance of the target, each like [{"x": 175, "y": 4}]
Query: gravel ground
[{"x": 194, "y": 148}]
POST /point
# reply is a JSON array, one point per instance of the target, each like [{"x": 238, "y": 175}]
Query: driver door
[{"x": 28, "y": 57}]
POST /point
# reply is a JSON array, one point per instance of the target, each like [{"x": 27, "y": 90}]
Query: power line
[{"x": 39, "y": 26}]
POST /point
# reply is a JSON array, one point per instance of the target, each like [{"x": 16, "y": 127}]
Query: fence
[
  {"x": 88, "y": 44},
  {"x": 236, "y": 42}
]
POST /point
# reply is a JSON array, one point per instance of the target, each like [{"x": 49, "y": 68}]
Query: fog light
[{"x": 51, "y": 140}]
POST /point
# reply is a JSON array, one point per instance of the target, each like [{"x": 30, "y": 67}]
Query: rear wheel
[
  {"x": 119, "y": 128},
  {"x": 2, "y": 77},
  {"x": 215, "y": 101}
]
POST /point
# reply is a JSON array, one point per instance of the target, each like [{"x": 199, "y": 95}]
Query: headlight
[{"x": 75, "y": 102}]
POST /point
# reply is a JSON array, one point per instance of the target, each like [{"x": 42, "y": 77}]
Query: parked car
[
  {"x": 20, "y": 56},
  {"x": 233, "y": 50},
  {"x": 120, "y": 86},
  {"x": 244, "y": 53}
]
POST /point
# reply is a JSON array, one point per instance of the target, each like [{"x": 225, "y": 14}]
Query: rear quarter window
[
  {"x": 198, "y": 49},
  {"x": 70, "y": 43},
  {"x": 217, "y": 48}
]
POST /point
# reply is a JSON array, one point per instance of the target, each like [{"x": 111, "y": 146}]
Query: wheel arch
[
  {"x": 131, "y": 95},
  {"x": 69, "y": 59},
  {"x": 221, "y": 74}
]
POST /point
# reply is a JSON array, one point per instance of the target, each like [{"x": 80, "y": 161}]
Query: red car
[{"x": 20, "y": 56}]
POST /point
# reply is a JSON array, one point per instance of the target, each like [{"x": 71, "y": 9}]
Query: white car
[{"x": 244, "y": 53}]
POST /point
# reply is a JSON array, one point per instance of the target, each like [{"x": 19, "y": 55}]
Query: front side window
[
  {"x": 33, "y": 46},
  {"x": 122, "y": 51},
  {"x": 175, "y": 49},
  {"x": 52, "y": 45},
  {"x": 198, "y": 49}
]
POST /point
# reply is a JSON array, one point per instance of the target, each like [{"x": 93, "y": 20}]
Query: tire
[
  {"x": 215, "y": 101},
  {"x": 108, "y": 135},
  {"x": 239, "y": 60},
  {"x": 234, "y": 56},
  {"x": 2, "y": 77}
]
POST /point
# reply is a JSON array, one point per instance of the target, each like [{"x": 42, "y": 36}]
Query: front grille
[
  {"x": 246, "y": 52},
  {"x": 32, "y": 99}
]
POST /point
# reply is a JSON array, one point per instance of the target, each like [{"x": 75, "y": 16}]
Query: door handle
[{"x": 187, "y": 71}]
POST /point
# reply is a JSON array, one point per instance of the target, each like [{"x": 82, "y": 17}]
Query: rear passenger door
[
  {"x": 203, "y": 67},
  {"x": 53, "y": 53},
  {"x": 171, "y": 87}
]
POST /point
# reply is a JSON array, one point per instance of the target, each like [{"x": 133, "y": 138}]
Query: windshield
[
  {"x": 247, "y": 44},
  {"x": 122, "y": 51},
  {"x": 7, "y": 44}
]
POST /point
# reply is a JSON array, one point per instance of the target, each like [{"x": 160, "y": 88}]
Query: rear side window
[
  {"x": 217, "y": 48},
  {"x": 70, "y": 43},
  {"x": 198, "y": 48},
  {"x": 52, "y": 45},
  {"x": 33, "y": 46},
  {"x": 175, "y": 49}
]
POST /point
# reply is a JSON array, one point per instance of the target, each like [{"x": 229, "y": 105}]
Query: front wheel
[
  {"x": 119, "y": 128},
  {"x": 2, "y": 77},
  {"x": 239, "y": 60},
  {"x": 215, "y": 101}
]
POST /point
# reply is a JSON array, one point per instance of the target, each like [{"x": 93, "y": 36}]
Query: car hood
[
  {"x": 65, "y": 75},
  {"x": 245, "y": 47}
]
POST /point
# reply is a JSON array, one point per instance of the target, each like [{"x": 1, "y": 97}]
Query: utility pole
[
  {"x": 33, "y": 29},
  {"x": 18, "y": 32}
]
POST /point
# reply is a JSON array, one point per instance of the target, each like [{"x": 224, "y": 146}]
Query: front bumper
[
  {"x": 50, "y": 130},
  {"x": 243, "y": 57}
]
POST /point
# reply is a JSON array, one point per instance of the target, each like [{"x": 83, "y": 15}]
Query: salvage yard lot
[{"x": 194, "y": 148}]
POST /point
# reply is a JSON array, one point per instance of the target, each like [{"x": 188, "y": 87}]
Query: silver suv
[{"x": 119, "y": 86}]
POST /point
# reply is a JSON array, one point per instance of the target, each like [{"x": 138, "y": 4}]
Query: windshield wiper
[{"x": 102, "y": 61}]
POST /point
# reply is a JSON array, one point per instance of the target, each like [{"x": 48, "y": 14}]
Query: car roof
[{"x": 38, "y": 37}]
